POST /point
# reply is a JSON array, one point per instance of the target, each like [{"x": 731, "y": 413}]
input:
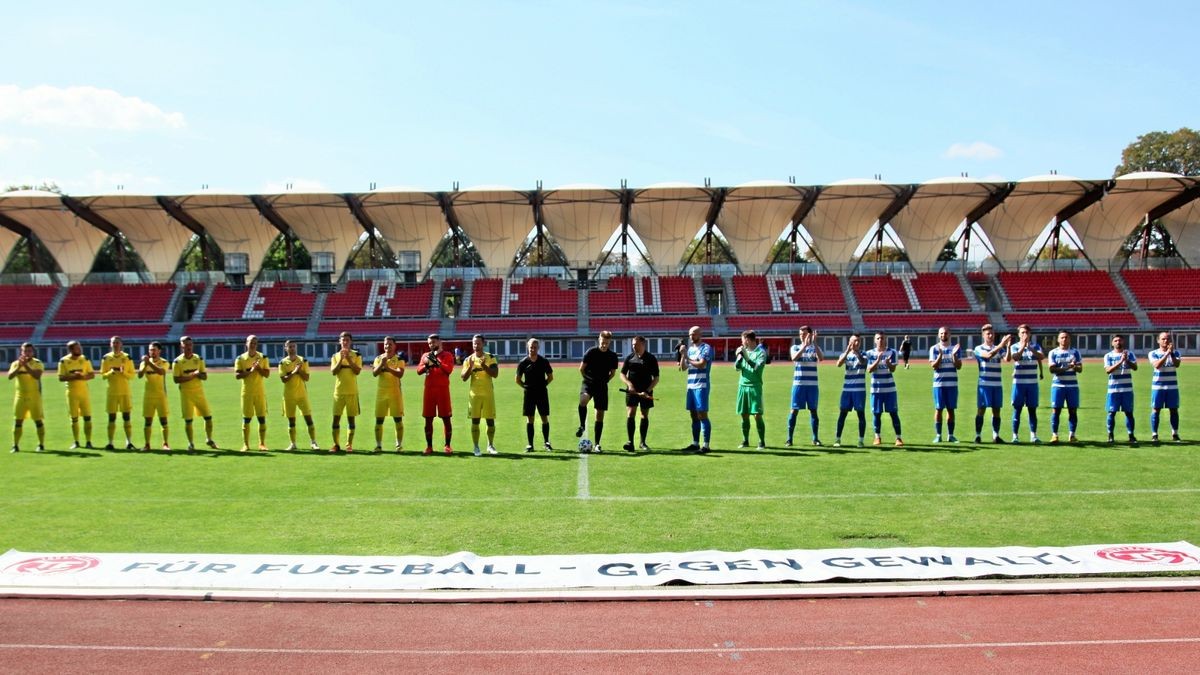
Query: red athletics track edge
[{"x": 740, "y": 592}]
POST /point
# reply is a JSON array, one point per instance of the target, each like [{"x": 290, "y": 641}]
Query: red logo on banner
[
  {"x": 1146, "y": 555},
  {"x": 57, "y": 564}
]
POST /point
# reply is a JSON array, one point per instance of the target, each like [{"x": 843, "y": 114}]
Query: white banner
[{"x": 141, "y": 572}]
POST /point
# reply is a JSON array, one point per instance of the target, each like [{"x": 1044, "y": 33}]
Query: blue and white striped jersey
[
  {"x": 882, "y": 381},
  {"x": 945, "y": 375},
  {"x": 1025, "y": 363},
  {"x": 697, "y": 378},
  {"x": 1121, "y": 379},
  {"x": 1064, "y": 358},
  {"x": 804, "y": 372},
  {"x": 989, "y": 368},
  {"x": 856, "y": 373},
  {"x": 1164, "y": 378}
]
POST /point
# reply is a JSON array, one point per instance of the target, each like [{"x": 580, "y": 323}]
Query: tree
[
  {"x": 29, "y": 256},
  {"x": 1172, "y": 151},
  {"x": 46, "y": 186},
  {"x": 540, "y": 250},
  {"x": 371, "y": 253},
  {"x": 884, "y": 254},
  {"x": 117, "y": 255},
  {"x": 1065, "y": 252},
  {"x": 276, "y": 257},
  {"x": 949, "y": 251},
  {"x": 1161, "y": 245},
  {"x": 455, "y": 251},
  {"x": 710, "y": 248},
  {"x": 199, "y": 252}
]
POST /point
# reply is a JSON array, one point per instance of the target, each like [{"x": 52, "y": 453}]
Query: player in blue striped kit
[
  {"x": 1065, "y": 362},
  {"x": 805, "y": 393},
  {"x": 1164, "y": 389},
  {"x": 1027, "y": 358},
  {"x": 881, "y": 363},
  {"x": 1120, "y": 364},
  {"x": 696, "y": 358},
  {"x": 854, "y": 388},
  {"x": 946, "y": 360},
  {"x": 990, "y": 391}
]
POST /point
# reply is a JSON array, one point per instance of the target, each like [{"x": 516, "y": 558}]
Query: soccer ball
[{"x": 585, "y": 445}]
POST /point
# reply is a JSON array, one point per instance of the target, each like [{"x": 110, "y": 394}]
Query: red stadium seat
[
  {"x": 940, "y": 291},
  {"x": 1164, "y": 289},
  {"x": 757, "y": 294},
  {"x": 262, "y": 300},
  {"x": 534, "y": 296},
  {"x": 25, "y": 304},
  {"x": 409, "y": 328},
  {"x": 518, "y": 326},
  {"x": 240, "y": 329},
  {"x": 676, "y": 295},
  {"x": 112, "y": 303},
  {"x": 1052, "y": 290},
  {"x": 1072, "y": 320},
  {"x": 380, "y": 299}
]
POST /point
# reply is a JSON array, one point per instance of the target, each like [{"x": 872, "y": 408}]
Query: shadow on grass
[{"x": 81, "y": 454}]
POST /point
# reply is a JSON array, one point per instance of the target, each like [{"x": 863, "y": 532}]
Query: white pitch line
[
  {"x": 583, "y": 492},
  {"x": 610, "y": 651},
  {"x": 582, "y": 488}
]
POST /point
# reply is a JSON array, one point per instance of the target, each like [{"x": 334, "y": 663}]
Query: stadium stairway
[
  {"x": 39, "y": 331},
  {"x": 584, "y": 310},
  {"x": 1140, "y": 314},
  {"x": 314, "y": 319},
  {"x": 969, "y": 292},
  {"x": 202, "y": 305},
  {"x": 856, "y": 320},
  {"x": 435, "y": 298},
  {"x": 731, "y": 306},
  {"x": 464, "y": 303}
]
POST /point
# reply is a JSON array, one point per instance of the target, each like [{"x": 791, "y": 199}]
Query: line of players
[
  {"x": 946, "y": 359},
  {"x": 639, "y": 373}
]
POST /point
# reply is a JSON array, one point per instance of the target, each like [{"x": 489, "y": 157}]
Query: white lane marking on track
[
  {"x": 615, "y": 651},
  {"x": 582, "y": 488},
  {"x": 618, "y": 498}
]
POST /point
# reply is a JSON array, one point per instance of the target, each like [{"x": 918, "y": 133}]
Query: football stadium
[{"x": 369, "y": 338}]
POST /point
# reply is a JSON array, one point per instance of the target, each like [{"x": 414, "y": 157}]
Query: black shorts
[
  {"x": 536, "y": 400},
  {"x": 634, "y": 401},
  {"x": 599, "y": 394}
]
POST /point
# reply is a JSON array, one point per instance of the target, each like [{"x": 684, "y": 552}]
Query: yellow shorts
[
  {"x": 79, "y": 405},
  {"x": 194, "y": 405},
  {"x": 389, "y": 406},
  {"x": 119, "y": 403},
  {"x": 290, "y": 406},
  {"x": 155, "y": 407},
  {"x": 254, "y": 405},
  {"x": 482, "y": 407},
  {"x": 346, "y": 403},
  {"x": 28, "y": 407}
]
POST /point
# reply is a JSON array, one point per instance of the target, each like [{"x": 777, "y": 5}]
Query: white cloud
[
  {"x": 297, "y": 185},
  {"x": 8, "y": 143},
  {"x": 83, "y": 107},
  {"x": 977, "y": 150}
]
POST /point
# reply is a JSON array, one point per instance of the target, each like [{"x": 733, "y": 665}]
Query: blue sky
[{"x": 249, "y": 97}]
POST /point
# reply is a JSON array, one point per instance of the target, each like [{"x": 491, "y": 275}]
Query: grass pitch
[{"x": 541, "y": 503}]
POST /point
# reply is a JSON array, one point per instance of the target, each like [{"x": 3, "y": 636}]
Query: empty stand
[
  {"x": 1175, "y": 319},
  {"x": 757, "y": 294},
  {"x": 25, "y": 304},
  {"x": 924, "y": 320},
  {"x": 650, "y": 325},
  {"x": 1164, "y": 289},
  {"x": 380, "y": 299},
  {"x": 1055, "y": 290},
  {"x": 115, "y": 303},
  {"x": 411, "y": 328},
  {"x": 1043, "y": 321},
  {"x": 880, "y": 294},
  {"x": 518, "y": 326},
  {"x": 637, "y": 295},
  {"x": 261, "y": 300},
  {"x": 534, "y": 296},
  {"x": 775, "y": 323},
  {"x": 240, "y": 329},
  {"x": 102, "y": 332},
  {"x": 16, "y": 333},
  {"x": 940, "y": 291}
]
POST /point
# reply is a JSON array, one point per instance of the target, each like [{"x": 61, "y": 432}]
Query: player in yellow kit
[
  {"x": 153, "y": 369},
  {"x": 293, "y": 372},
  {"x": 481, "y": 368},
  {"x": 76, "y": 369},
  {"x": 27, "y": 399},
  {"x": 388, "y": 368},
  {"x": 189, "y": 372},
  {"x": 345, "y": 365},
  {"x": 116, "y": 367},
  {"x": 252, "y": 368}
]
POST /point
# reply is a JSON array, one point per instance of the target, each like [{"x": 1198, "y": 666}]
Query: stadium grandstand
[{"x": 627, "y": 262}]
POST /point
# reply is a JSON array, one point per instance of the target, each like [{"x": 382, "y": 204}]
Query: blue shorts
[
  {"x": 945, "y": 398},
  {"x": 1164, "y": 398},
  {"x": 1025, "y": 395},
  {"x": 853, "y": 400},
  {"x": 697, "y": 400},
  {"x": 1064, "y": 397},
  {"x": 1119, "y": 401},
  {"x": 804, "y": 397},
  {"x": 883, "y": 402},
  {"x": 990, "y": 397}
]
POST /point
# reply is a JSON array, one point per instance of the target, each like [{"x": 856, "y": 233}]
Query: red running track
[{"x": 1109, "y": 632}]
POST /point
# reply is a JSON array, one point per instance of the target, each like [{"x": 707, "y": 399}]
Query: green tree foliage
[
  {"x": 46, "y": 186},
  {"x": 276, "y": 257},
  {"x": 29, "y": 256},
  {"x": 949, "y": 251},
  {"x": 540, "y": 250},
  {"x": 371, "y": 253},
  {"x": 194, "y": 259},
  {"x": 884, "y": 254},
  {"x": 117, "y": 255},
  {"x": 1172, "y": 151},
  {"x": 455, "y": 251},
  {"x": 1161, "y": 245},
  {"x": 1065, "y": 252},
  {"x": 710, "y": 248}
]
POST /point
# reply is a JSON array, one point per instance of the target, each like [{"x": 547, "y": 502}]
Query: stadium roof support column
[
  {"x": 802, "y": 210},
  {"x": 97, "y": 221},
  {"x": 904, "y": 195},
  {"x": 272, "y": 216},
  {"x": 1174, "y": 203},
  {"x": 445, "y": 201},
  {"x": 710, "y": 219},
  {"x": 15, "y": 227},
  {"x": 1091, "y": 196},
  {"x": 364, "y": 219},
  {"x": 996, "y": 198},
  {"x": 536, "y": 199},
  {"x": 184, "y": 218}
]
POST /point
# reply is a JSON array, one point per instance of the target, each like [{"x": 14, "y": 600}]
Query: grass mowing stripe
[{"x": 582, "y": 491}]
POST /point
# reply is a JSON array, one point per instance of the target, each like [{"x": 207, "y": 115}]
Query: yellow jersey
[
  {"x": 252, "y": 384},
  {"x": 75, "y": 364},
  {"x": 346, "y": 383},
  {"x": 118, "y": 370},
  {"x": 388, "y": 384},
  {"x": 185, "y": 366},
  {"x": 481, "y": 379},
  {"x": 295, "y": 388},
  {"x": 28, "y": 386},
  {"x": 156, "y": 385}
]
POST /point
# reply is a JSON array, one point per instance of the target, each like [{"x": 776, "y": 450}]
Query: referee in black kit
[{"x": 640, "y": 375}]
